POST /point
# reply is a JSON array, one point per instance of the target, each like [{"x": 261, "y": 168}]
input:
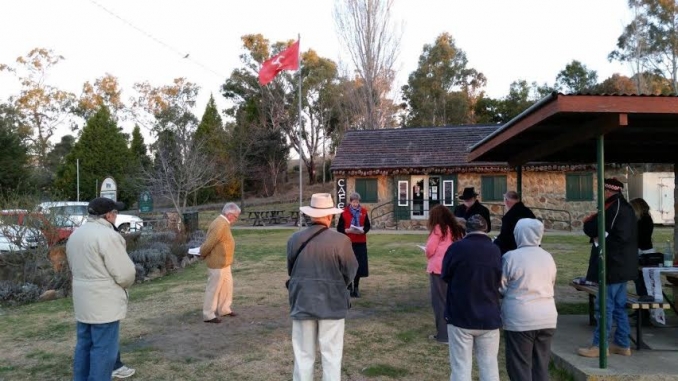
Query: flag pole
[{"x": 301, "y": 217}]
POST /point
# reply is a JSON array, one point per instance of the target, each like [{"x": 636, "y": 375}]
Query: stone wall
[{"x": 544, "y": 192}]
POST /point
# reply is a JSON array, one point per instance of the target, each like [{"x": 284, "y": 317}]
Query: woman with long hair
[
  {"x": 645, "y": 229},
  {"x": 443, "y": 231}
]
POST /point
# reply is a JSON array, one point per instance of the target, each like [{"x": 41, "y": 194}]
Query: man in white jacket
[
  {"x": 102, "y": 271},
  {"x": 528, "y": 310}
]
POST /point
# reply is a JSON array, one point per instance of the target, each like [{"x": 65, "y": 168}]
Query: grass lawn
[{"x": 164, "y": 338}]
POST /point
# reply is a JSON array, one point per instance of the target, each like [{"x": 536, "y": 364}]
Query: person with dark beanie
[
  {"x": 355, "y": 223},
  {"x": 621, "y": 266},
  {"x": 472, "y": 270}
]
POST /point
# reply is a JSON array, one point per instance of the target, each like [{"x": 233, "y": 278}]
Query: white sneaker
[{"x": 123, "y": 372}]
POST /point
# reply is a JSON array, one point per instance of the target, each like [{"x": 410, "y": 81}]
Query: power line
[{"x": 181, "y": 54}]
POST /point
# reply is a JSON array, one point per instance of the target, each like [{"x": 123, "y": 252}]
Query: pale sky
[{"x": 506, "y": 40}]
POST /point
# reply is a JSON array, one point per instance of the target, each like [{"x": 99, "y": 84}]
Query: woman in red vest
[{"x": 355, "y": 224}]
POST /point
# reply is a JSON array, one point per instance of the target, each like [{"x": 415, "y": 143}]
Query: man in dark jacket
[
  {"x": 516, "y": 211},
  {"x": 321, "y": 264},
  {"x": 621, "y": 265},
  {"x": 472, "y": 206},
  {"x": 472, "y": 270}
]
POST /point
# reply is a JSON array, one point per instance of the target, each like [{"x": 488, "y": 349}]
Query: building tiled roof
[{"x": 417, "y": 147}]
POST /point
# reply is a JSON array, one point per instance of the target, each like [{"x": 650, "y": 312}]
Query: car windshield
[{"x": 71, "y": 210}]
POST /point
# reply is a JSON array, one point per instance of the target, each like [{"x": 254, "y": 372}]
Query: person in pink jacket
[{"x": 444, "y": 229}]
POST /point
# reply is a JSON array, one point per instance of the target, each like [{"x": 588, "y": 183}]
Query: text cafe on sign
[{"x": 341, "y": 193}]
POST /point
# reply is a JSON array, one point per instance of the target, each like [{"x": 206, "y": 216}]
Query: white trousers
[
  {"x": 463, "y": 343},
  {"x": 218, "y": 293},
  {"x": 328, "y": 336}
]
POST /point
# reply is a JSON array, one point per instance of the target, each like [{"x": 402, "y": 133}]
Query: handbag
[{"x": 303, "y": 245}]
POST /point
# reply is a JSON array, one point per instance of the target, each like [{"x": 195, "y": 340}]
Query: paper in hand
[
  {"x": 356, "y": 230},
  {"x": 194, "y": 251}
]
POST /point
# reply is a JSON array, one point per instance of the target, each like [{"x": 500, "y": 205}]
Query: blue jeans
[
  {"x": 95, "y": 351},
  {"x": 615, "y": 309}
]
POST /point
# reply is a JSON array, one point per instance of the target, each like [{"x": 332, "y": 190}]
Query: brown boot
[
  {"x": 590, "y": 352},
  {"x": 617, "y": 350}
]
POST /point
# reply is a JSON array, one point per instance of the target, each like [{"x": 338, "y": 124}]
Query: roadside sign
[{"x": 145, "y": 202}]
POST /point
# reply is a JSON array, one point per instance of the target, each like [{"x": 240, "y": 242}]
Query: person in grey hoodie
[{"x": 528, "y": 309}]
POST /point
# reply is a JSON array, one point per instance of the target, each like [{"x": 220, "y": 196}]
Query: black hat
[
  {"x": 468, "y": 193},
  {"x": 614, "y": 185},
  {"x": 102, "y": 205},
  {"x": 476, "y": 223}
]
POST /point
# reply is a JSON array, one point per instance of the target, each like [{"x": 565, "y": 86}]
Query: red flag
[{"x": 288, "y": 59}]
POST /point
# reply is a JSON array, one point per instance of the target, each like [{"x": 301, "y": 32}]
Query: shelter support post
[
  {"x": 519, "y": 181},
  {"x": 602, "y": 250},
  {"x": 675, "y": 211}
]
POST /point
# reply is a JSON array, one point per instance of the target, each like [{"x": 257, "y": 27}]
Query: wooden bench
[{"x": 633, "y": 302}]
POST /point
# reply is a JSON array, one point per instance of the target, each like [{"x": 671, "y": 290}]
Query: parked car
[
  {"x": 6, "y": 245},
  {"x": 22, "y": 238},
  {"x": 76, "y": 212},
  {"x": 56, "y": 229}
]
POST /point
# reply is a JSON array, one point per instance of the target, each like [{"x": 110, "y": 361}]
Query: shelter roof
[{"x": 564, "y": 128}]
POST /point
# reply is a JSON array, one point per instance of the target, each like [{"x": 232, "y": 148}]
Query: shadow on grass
[
  {"x": 384, "y": 370},
  {"x": 572, "y": 308}
]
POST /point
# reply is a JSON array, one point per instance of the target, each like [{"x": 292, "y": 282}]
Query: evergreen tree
[
  {"x": 211, "y": 134},
  {"x": 138, "y": 148},
  {"x": 13, "y": 157},
  {"x": 102, "y": 151}
]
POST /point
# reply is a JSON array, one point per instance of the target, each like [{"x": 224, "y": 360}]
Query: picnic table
[
  {"x": 633, "y": 302},
  {"x": 263, "y": 217}
]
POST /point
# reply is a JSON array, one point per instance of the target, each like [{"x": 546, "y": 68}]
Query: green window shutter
[
  {"x": 579, "y": 187},
  {"x": 367, "y": 188},
  {"x": 492, "y": 188}
]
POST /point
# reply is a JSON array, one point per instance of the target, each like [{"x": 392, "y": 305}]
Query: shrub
[{"x": 17, "y": 293}]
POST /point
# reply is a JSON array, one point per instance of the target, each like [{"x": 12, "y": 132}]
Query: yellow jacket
[{"x": 219, "y": 245}]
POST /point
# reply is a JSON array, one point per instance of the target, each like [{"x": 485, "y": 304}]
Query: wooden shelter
[{"x": 587, "y": 128}]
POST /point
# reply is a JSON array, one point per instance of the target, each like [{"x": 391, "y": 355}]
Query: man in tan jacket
[
  {"x": 102, "y": 271},
  {"x": 218, "y": 251}
]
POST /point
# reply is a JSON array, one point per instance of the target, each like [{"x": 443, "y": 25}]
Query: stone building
[{"x": 401, "y": 173}]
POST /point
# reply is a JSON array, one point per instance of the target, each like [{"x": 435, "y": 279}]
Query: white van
[{"x": 76, "y": 213}]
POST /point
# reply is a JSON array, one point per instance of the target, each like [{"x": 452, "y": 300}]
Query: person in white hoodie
[{"x": 528, "y": 309}]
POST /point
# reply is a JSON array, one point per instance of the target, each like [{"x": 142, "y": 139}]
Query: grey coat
[{"x": 320, "y": 274}]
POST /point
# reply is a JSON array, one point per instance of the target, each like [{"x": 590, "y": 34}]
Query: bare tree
[
  {"x": 373, "y": 42},
  {"x": 183, "y": 168}
]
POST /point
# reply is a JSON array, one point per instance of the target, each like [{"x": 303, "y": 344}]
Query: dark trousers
[
  {"x": 641, "y": 290},
  {"x": 438, "y": 295},
  {"x": 528, "y": 354}
]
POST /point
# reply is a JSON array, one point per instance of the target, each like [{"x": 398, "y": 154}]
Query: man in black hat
[
  {"x": 102, "y": 271},
  {"x": 472, "y": 206},
  {"x": 621, "y": 266}
]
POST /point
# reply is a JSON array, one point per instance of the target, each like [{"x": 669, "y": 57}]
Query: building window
[
  {"x": 579, "y": 187},
  {"x": 493, "y": 188},
  {"x": 367, "y": 189}
]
